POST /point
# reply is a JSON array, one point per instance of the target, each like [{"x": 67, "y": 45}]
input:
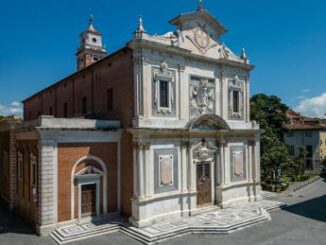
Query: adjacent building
[
  {"x": 156, "y": 130},
  {"x": 309, "y": 133}
]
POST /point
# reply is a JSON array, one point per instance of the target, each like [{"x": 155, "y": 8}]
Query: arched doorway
[
  {"x": 88, "y": 188},
  {"x": 206, "y": 155}
]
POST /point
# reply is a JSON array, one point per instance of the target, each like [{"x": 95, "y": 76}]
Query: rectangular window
[
  {"x": 291, "y": 150},
  {"x": 65, "y": 110},
  {"x": 309, "y": 150},
  {"x": 236, "y": 101},
  {"x": 33, "y": 174},
  {"x": 308, "y": 134},
  {"x": 84, "y": 105},
  {"x": 290, "y": 134},
  {"x": 50, "y": 111},
  {"x": 164, "y": 94},
  {"x": 109, "y": 97}
]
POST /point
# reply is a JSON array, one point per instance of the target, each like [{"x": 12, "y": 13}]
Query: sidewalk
[{"x": 295, "y": 186}]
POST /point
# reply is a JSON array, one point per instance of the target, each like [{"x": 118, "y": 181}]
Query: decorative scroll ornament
[
  {"x": 163, "y": 67},
  {"x": 236, "y": 82},
  {"x": 204, "y": 151},
  {"x": 224, "y": 52},
  {"x": 203, "y": 97},
  {"x": 201, "y": 40}
]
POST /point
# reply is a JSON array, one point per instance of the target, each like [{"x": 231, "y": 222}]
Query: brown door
[
  {"x": 88, "y": 200},
  {"x": 204, "y": 187}
]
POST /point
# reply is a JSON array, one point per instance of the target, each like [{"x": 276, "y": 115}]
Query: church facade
[{"x": 159, "y": 129}]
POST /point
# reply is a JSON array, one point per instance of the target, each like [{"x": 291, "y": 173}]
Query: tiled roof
[{"x": 301, "y": 126}]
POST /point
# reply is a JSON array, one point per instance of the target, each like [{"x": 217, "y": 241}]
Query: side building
[
  {"x": 158, "y": 129},
  {"x": 309, "y": 133}
]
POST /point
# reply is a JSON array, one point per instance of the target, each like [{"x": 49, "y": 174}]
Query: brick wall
[
  {"x": 68, "y": 154},
  {"x": 114, "y": 72},
  {"x": 4, "y": 165}
]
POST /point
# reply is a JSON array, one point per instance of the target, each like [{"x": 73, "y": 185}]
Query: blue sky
[{"x": 284, "y": 39}]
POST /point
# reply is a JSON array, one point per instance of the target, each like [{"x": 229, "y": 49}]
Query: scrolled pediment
[{"x": 208, "y": 122}]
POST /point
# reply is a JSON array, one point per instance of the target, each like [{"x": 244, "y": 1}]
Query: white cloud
[
  {"x": 15, "y": 104},
  {"x": 300, "y": 97},
  {"x": 306, "y": 90},
  {"x": 313, "y": 107},
  {"x": 13, "y": 109}
]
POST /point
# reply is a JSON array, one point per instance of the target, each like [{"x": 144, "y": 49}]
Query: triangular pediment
[{"x": 200, "y": 18}]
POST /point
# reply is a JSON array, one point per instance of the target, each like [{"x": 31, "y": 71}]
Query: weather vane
[
  {"x": 90, "y": 18},
  {"x": 200, "y": 4}
]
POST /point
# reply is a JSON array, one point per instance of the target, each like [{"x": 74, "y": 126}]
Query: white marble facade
[{"x": 192, "y": 122}]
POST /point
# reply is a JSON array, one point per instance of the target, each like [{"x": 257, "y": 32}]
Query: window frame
[
  {"x": 236, "y": 87},
  {"x": 109, "y": 100},
  {"x": 170, "y": 92},
  {"x": 84, "y": 108}
]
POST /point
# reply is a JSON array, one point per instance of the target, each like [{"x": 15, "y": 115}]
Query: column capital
[
  {"x": 221, "y": 142},
  {"x": 187, "y": 144},
  {"x": 181, "y": 68},
  {"x": 251, "y": 142},
  {"x": 141, "y": 145}
]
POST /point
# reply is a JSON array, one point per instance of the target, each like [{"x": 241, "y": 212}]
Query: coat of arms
[{"x": 202, "y": 96}]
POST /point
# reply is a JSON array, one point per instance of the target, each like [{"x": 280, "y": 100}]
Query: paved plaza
[{"x": 302, "y": 222}]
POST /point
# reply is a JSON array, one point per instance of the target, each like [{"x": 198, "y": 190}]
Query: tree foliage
[{"x": 270, "y": 113}]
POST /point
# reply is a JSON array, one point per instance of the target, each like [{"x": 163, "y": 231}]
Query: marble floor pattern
[{"x": 219, "y": 221}]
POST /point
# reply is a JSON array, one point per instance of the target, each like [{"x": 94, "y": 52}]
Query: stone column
[
  {"x": 222, "y": 143},
  {"x": 191, "y": 170},
  {"x": 47, "y": 187},
  {"x": 224, "y": 95},
  {"x": 183, "y": 91},
  {"x": 140, "y": 160},
  {"x": 248, "y": 99},
  {"x": 135, "y": 169},
  {"x": 147, "y": 170},
  {"x": 184, "y": 146}
]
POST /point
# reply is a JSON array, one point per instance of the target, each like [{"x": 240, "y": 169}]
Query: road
[{"x": 303, "y": 222}]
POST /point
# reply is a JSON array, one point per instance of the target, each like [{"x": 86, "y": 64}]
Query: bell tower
[{"x": 91, "y": 47}]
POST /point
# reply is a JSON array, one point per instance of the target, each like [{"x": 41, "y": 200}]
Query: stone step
[
  {"x": 202, "y": 229},
  {"x": 61, "y": 237},
  {"x": 268, "y": 194}
]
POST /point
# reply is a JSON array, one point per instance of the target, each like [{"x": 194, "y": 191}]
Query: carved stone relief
[
  {"x": 204, "y": 151},
  {"x": 238, "y": 163},
  {"x": 165, "y": 170},
  {"x": 202, "y": 99},
  {"x": 201, "y": 39}
]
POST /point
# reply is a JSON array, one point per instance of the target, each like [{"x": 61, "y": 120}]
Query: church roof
[{"x": 200, "y": 14}]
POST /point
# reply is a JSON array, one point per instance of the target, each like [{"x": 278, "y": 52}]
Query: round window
[{"x": 94, "y": 40}]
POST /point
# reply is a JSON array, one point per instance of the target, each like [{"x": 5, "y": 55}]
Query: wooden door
[
  {"x": 88, "y": 200},
  {"x": 204, "y": 187}
]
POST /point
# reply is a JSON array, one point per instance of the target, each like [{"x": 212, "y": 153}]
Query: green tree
[
  {"x": 275, "y": 158},
  {"x": 300, "y": 160},
  {"x": 270, "y": 113}
]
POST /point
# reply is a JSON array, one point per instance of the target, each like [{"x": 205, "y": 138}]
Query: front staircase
[{"x": 210, "y": 220}]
